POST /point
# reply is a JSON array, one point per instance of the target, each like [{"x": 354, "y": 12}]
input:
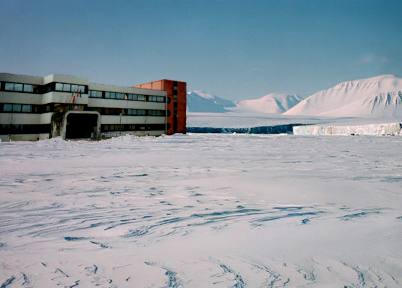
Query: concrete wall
[
  {"x": 135, "y": 133},
  {"x": 116, "y": 119},
  {"x": 110, "y": 103},
  {"x": 21, "y": 98},
  {"x": 24, "y": 137}
]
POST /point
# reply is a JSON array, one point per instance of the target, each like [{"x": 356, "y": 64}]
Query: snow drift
[
  {"x": 379, "y": 97},
  {"x": 273, "y": 103}
]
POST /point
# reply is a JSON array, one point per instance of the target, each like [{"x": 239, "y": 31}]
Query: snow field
[{"x": 202, "y": 211}]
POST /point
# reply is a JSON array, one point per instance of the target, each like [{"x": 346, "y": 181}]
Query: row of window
[
  {"x": 152, "y": 98},
  {"x": 127, "y": 112},
  {"x": 20, "y": 87},
  {"x": 24, "y": 108},
  {"x": 66, "y": 87},
  {"x": 29, "y": 108},
  {"x": 125, "y": 96},
  {"x": 131, "y": 127},
  {"x": 41, "y": 89},
  {"x": 75, "y": 88},
  {"x": 6, "y": 129},
  {"x": 156, "y": 112}
]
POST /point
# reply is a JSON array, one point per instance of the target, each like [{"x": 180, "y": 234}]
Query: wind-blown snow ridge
[
  {"x": 379, "y": 96},
  {"x": 273, "y": 103}
]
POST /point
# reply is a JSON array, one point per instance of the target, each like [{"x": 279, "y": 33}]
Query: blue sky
[{"x": 234, "y": 49}]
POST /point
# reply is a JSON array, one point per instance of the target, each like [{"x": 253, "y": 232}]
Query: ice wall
[{"x": 367, "y": 129}]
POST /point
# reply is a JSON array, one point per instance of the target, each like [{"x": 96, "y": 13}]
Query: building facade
[
  {"x": 176, "y": 92},
  {"x": 33, "y": 108}
]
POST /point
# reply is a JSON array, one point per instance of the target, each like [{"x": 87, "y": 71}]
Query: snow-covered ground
[
  {"x": 247, "y": 119},
  {"x": 201, "y": 211}
]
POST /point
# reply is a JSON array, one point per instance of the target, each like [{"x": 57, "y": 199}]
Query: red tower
[{"x": 176, "y": 102}]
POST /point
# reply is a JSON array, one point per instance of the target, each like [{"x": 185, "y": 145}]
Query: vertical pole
[{"x": 120, "y": 121}]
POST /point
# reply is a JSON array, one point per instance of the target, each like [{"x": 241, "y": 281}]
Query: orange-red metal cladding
[{"x": 177, "y": 102}]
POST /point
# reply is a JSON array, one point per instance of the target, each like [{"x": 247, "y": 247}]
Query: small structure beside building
[{"x": 33, "y": 108}]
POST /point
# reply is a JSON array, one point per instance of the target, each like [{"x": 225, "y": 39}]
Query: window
[
  {"x": 120, "y": 96},
  {"x": 66, "y": 87},
  {"x": 112, "y": 95},
  {"x": 16, "y": 107},
  {"x": 74, "y": 88},
  {"x": 26, "y": 108},
  {"x": 95, "y": 94},
  {"x": 136, "y": 112},
  {"x": 8, "y": 107},
  {"x": 9, "y": 86},
  {"x": 18, "y": 87},
  {"x": 156, "y": 112},
  {"x": 28, "y": 88},
  {"x": 156, "y": 98},
  {"x": 59, "y": 86}
]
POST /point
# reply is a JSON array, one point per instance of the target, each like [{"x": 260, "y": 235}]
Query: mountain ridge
[
  {"x": 374, "y": 97},
  {"x": 378, "y": 96}
]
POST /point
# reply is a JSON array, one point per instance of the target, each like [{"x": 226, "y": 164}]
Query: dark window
[
  {"x": 66, "y": 87},
  {"x": 120, "y": 96},
  {"x": 59, "y": 86},
  {"x": 131, "y": 127},
  {"x": 20, "y": 87},
  {"x": 24, "y": 129},
  {"x": 74, "y": 88},
  {"x": 136, "y": 112},
  {"x": 152, "y": 98},
  {"x": 26, "y": 108},
  {"x": 28, "y": 88},
  {"x": 7, "y": 107},
  {"x": 95, "y": 94},
  {"x": 156, "y": 112},
  {"x": 9, "y": 87},
  {"x": 16, "y": 107}
]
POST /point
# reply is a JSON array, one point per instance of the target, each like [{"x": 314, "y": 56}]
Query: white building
[{"x": 34, "y": 108}]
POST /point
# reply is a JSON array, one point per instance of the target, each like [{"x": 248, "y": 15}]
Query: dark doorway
[{"x": 81, "y": 125}]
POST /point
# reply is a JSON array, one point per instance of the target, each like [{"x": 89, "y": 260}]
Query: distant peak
[{"x": 202, "y": 94}]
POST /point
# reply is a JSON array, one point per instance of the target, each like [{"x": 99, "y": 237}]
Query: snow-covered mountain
[
  {"x": 273, "y": 103},
  {"x": 379, "y": 96},
  {"x": 199, "y": 101}
]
